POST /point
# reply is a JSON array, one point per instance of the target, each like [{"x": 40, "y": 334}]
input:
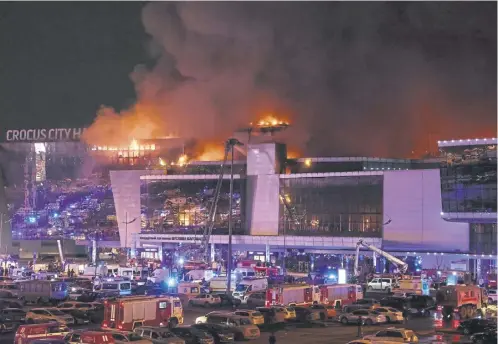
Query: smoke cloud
[{"x": 353, "y": 78}]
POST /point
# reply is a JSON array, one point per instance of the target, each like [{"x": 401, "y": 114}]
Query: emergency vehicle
[
  {"x": 25, "y": 334},
  {"x": 338, "y": 294},
  {"x": 126, "y": 313},
  {"x": 287, "y": 293},
  {"x": 466, "y": 300}
]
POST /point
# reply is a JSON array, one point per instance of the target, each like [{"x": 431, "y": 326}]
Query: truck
[
  {"x": 338, "y": 294},
  {"x": 42, "y": 291},
  {"x": 125, "y": 314},
  {"x": 249, "y": 285},
  {"x": 159, "y": 275},
  {"x": 199, "y": 275},
  {"x": 466, "y": 300},
  {"x": 289, "y": 294},
  {"x": 219, "y": 284}
]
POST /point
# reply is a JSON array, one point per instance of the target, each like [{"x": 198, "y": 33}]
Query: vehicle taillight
[{"x": 104, "y": 324}]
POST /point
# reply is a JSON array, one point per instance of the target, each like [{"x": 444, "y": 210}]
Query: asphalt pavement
[{"x": 427, "y": 328}]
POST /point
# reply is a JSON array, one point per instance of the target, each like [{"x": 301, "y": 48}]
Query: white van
[
  {"x": 119, "y": 285},
  {"x": 219, "y": 284},
  {"x": 387, "y": 284},
  {"x": 250, "y": 285},
  {"x": 198, "y": 275}
]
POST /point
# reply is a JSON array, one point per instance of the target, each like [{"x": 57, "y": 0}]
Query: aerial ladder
[
  {"x": 208, "y": 228},
  {"x": 401, "y": 265}
]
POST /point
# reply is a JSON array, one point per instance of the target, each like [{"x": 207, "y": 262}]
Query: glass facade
[
  {"x": 182, "y": 206},
  {"x": 335, "y": 206},
  {"x": 468, "y": 179},
  {"x": 483, "y": 238}
]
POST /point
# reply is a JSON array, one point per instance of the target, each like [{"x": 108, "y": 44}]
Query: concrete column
[
  {"x": 267, "y": 253},
  {"x": 374, "y": 259},
  {"x": 94, "y": 252}
]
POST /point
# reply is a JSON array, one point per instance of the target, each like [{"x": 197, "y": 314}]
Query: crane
[
  {"x": 208, "y": 228},
  {"x": 401, "y": 265}
]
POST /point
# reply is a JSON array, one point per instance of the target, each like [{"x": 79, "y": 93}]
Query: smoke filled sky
[{"x": 353, "y": 78}]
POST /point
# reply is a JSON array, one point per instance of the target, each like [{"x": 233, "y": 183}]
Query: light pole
[
  {"x": 231, "y": 143},
  {"x": 126, "y": 223}
]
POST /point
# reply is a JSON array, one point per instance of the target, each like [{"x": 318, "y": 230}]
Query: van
[
  {"x": 242, "y": 326},
  {"x": 25, "y": 334},
  {"x": 250, "y": 285},
  {"x": 43, "y": 291},
  {"x": 123, "y": 287},
  {"x": 386, "y": 284}
]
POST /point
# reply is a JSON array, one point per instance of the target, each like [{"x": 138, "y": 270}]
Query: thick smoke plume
[{"x": 354, "y": 78}]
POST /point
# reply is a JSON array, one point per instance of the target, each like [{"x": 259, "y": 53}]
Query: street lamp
[{"x": 231, "y": 143}]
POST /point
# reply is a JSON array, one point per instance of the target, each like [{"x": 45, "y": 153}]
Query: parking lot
[{"x": 329, "y": 331}]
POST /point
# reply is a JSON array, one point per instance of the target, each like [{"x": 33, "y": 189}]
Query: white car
[
  {"x": 398, "y": 335},
  {"x": 492, "y": 295},
  {"x": 205, "y": 300}
]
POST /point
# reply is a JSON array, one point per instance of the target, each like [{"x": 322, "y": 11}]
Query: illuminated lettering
[
  {"x": 9, "y": 135},
  {"x": 22, "y": 135},
  {"x": 55, "y": 134},
  {"x": 51, "y": 134}
]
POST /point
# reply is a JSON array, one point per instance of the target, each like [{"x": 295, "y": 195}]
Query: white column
[
  {"x": 213, "y": 255},
  {"x": 374, "y": 257},
  {"x": 267, "y": 253}
]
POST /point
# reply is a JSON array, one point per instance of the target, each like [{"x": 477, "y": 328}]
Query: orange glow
[
  {"x": 270, "y": 120},
  {"x": 293, "y": 153},
  {"x": 211, "y": 152},
  {"x": 182, "y": 160},
  {"x": 307, "y": 162}
]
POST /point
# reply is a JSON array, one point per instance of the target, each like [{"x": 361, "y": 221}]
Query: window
[
  {"x": 394, "y": 334},
  {"x": 381, "y": 334},
  {"x": 125, "y": 286},
  {"x": 119, "y": 337},
  {"x": 163, "y": 305}
]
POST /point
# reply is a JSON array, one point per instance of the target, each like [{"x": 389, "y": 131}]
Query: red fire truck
[
  {"x": 287, "y": 293},
  {"x": 340, "y": 293},
  {"x": 129, "y": 312}
]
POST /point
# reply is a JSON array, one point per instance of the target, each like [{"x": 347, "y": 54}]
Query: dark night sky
[{"x": 354, "y": 78}]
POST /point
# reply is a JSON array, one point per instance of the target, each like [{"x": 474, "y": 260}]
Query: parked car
[
  {"x": 158, "y": 335},
  {"x": 492, "y": 297},
  {"x": 192, "y": 335},
  {"x": 392, "y": 334},
  {"x": 386, "y": 284},
  {"x": 272, "y": 315},
  {"x": 306, "y": 315},
  {"x": 256, "y": 300},
  {"x": 391, "y": 314},
  {"x": 220, "y": 333},
  {"x": 360, "y": 304},
  {"x": 289, "y": 312},
  {"x": 242, "y": 326},
  {"x": 72, "y": 305},
  {"x": 205, "y": 300},
  {"x": 13, "y": 314},
  {"x": 89, "y": 337},
  {"x": 126, "y": 337},
  {"x": 80, "y": 317},
  {"x": 51, "y": 314},
  {"x": 50, "y": 331},
  {"x": 488, "y": 337},
  {"x": 369, "y": 317},
  {"x": 400, "y": 303},
  {"x": 472, "y": 326},
  {"x": 7, "y": 326},
  {"x": 326, "y": 311},
  {"x": 229, "y": 300},
  {"x": 256, "y": 317}
]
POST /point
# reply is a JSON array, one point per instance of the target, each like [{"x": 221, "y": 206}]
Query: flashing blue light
[
  {"x": 332, "y": 276},
  {"x": 171, "y": 282},
  {"x": 56, "y": 215},
  {"x": 32, "y": 220},
  {"x": 418, "y": 270},
  {"x": 181, "y": 261}
]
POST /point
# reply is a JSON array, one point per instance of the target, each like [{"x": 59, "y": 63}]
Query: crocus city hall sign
[{"x": 44, "y": 135}]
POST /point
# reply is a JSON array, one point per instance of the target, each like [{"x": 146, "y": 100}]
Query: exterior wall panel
[{"x": 412, "y": 200}]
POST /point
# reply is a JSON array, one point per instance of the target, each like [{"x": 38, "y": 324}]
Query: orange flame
[
  {"x": 270, "y": 120},
  {"x": 211, "y": 152}
]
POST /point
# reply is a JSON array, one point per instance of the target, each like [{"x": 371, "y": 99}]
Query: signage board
[
  {"x": 182, "y": 238},
  {"x": 43, "y": 135}
]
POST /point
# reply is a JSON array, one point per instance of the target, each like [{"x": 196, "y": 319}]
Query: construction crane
[
  {"x": 401, "y": 265},
  {"x": 208, "y": 228}
]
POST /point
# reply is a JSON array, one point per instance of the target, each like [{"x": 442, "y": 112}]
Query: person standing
[
  {"x": 272, "y": 339},
  {"x": 405, "y": 315},
  {"x": 360, "y": 327}
]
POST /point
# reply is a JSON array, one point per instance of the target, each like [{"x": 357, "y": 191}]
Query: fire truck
[
  {"x": 339, "y": 294},
  {"x": 126, "y": 313},
  {"x": 466, "y": 300},
  {"x": 289, "y": 294}
]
